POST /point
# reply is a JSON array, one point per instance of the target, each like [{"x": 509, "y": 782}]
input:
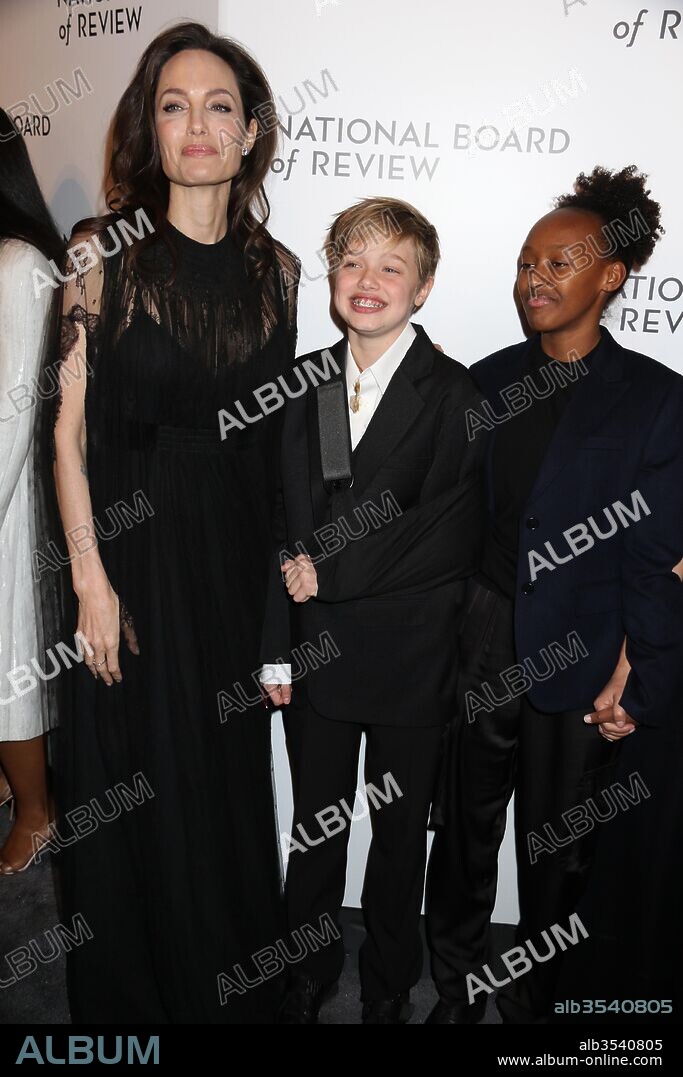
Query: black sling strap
[{"x": 335, "y": 435}]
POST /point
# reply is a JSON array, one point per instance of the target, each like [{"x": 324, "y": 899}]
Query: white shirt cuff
[{"x": 276, "y": 674}]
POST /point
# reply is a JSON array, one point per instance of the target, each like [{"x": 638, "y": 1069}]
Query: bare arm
[{"x": 98, "y": 604}]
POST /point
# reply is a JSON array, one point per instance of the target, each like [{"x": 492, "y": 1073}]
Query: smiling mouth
[{"x": 363, "y": 303}]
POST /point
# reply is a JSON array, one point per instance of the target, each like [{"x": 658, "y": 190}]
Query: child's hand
[
  {"x": 301, "y": 578},
  {"x": 280, "y": 695},
  {"x": 613, "y": 722}
]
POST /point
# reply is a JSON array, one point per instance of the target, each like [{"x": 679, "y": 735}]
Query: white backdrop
[
  {"x": 66, "y": 65},
  {"x": 387, "y": 98},
  {"x": 437, "y": 66}
]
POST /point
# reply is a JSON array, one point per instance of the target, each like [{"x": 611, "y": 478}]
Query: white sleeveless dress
[{"x": 23, "y": 313}]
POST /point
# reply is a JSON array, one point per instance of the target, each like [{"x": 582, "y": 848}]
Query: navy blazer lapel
[
  {"x": 593, "y": 398},
  {"x": 396, "y": 412},
  {"x": 319, "y": 496}
]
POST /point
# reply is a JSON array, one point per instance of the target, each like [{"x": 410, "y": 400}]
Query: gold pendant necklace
[{"x": 355, "y": 399}]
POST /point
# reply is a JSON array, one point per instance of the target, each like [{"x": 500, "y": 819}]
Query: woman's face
[
  {"x": 562, "y": 281},
  {"x": 199, "y": 120}
]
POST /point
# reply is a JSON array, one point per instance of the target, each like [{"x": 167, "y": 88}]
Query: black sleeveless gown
[{"x": 176, "y": 868}]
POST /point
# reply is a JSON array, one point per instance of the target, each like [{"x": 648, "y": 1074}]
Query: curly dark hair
[{"x": 618, "y": 198}]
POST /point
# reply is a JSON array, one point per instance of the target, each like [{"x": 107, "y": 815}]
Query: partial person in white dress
[{"x": 25, "y": 224}]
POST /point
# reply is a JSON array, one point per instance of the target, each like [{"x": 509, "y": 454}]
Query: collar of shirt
[
  {"x": 373, "y": 381},
  {"x": 383, "y": 369}
]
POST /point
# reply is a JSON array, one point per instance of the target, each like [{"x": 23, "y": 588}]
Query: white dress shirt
[{"x": 374, "y": 381}]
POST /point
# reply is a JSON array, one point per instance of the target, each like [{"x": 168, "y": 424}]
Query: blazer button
[
  {"x": 532, "y": 522},
  {"x": 528, "y": 589}
]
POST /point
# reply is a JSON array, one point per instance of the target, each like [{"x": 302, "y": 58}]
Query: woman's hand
[
  {"x": 99, "y": 627},
  {"x": 301, "y": 578}
]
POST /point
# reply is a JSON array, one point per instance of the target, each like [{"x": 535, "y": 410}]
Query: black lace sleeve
[
  {"x": 70, "y": 322},
  {"x": 80, "y": 312}
]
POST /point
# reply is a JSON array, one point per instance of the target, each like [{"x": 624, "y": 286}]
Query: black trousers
[
  {"x": 552, "y": 762},
  {"x": 323, "y": 757}
]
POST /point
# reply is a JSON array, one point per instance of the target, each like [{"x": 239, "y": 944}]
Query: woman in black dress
[{"x": 167, "y": 828}]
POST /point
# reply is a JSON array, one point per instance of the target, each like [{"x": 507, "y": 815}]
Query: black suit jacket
[
  {"x": 621, "y": 433},
  {"x": 387, "y": 600}
]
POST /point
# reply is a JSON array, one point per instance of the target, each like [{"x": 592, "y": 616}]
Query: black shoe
[
  {"x": 301, "y": 1005},
  {"x": 388, "y": 1011},
  {"x": 456, "y": 1013}
]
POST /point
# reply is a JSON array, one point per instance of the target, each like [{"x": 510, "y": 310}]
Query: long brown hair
[{"x": 136, "y": 178}]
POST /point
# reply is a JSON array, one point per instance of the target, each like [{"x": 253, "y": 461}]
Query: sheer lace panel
[
  {"x": 220, "y": 318},
  {"x": 81, "y": 303},
  {"x": 84, "y": 280}
]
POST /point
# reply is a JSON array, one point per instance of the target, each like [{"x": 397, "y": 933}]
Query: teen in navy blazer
[
  {"x": 573, "y": 639},
  {"x": 621, "y": 436}
]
